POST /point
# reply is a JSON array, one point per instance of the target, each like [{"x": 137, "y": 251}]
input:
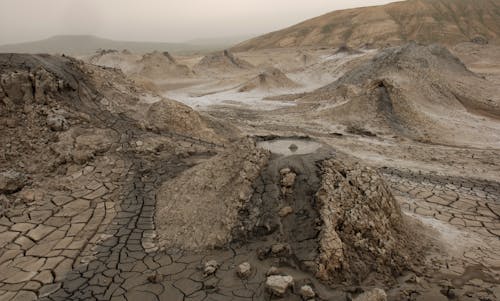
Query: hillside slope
[{"x": 424, "y": 21}]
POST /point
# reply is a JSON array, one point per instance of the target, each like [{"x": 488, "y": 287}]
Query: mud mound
[
  {"x": 199, "y": 208},
  {"x": 418, "y": 91},
  {"x": 162, "y": 65},
  {"x": 170, "y": 116},
  {"x": 222, "y": 61},
  {"x": 271, "y": 78}
]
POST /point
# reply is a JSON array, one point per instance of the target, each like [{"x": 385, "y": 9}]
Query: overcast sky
[{"x": 157, "y": 20}]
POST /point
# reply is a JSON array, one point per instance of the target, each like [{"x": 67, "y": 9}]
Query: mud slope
[
  {"x": 422, "y": 92},
  {"x": 425, "y": 21}
]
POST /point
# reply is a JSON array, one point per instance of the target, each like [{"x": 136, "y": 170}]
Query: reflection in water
[{"x": 289, "y": 147}]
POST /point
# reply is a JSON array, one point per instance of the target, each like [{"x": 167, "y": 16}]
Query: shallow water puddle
[{"x": 288, "y": 147}]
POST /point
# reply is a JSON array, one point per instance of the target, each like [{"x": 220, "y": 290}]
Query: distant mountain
[
  {"x": 425, "y": 21},
  {"x": 86, "y": 44}
]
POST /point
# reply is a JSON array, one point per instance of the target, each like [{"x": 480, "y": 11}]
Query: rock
[
  {"x": 57, "y": 122},
  {"x": 307, "y": 292},
  {"x": 287, "y": 179},
  {"x": 285, "y": 211},
  {"x": 278, "y": 285},
  {"x": 273, "y": 271},
  {"x": 210, "y": 267},
  {"x": 293, "y": 148},
  {"x": 479, "y": 40},
  {"x": 155, "y": 277},
  {"x": 244, "y": 270},
  {"x": 11, "y": 181},
  {"x": 280, "y": 249},
  {"x": 375, "y": 294}
]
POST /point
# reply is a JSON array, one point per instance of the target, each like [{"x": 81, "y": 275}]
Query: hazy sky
[{"x": 157, "y": 20}]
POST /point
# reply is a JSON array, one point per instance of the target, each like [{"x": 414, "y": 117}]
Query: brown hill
[{"x": 424, "y": 21}]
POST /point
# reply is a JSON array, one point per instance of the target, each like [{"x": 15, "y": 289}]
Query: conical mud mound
[
  {"x": 222, "y": 61},
  {"x": 269, "y": 79}
]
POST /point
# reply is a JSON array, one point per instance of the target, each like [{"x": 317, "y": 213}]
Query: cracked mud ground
[{"x": 82, "y": 225}]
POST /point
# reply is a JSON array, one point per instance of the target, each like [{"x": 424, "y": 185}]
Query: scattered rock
[
  {"x": 244, "y": 270},
  {"x": 211, "y": 267},
  {"x": 479, "y": 40},
  {"x": 280, "y": 249},
  {"x": 155, "y": 277},
  {"x": 307, "y": 292},
  {"x": 278, "y": 285},
  {"x": 375, "y": 294},
  {"x": 57, "y": 123},
  {"x": 285, "y": 211},
  {"x": 11, "y": 181}
]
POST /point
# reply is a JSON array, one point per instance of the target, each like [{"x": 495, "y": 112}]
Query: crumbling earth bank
[
  {"x": 363, "y": 228},
  {"x": 199, "y": 208}
]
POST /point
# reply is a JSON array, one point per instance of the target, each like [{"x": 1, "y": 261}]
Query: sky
[{"x": 158, "y": 20}]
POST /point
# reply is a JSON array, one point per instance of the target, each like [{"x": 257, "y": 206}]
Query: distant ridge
[
  {"x": 87, "y": 44},
  {"x": 424, "y": 21}
]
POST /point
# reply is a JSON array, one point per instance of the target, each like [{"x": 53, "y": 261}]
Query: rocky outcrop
[{"x": 363, "y": 230}]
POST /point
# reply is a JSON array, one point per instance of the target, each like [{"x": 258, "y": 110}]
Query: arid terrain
[{"x": 269, "y": 171}]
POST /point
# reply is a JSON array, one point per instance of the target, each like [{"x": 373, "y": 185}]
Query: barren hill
[
  {"x": 425, "y": 21},
  {"x": 87, "y": 44}
]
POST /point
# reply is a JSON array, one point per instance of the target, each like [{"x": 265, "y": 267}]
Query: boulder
[
  {"x": 244, "y": 270},
  {"x": 278, "y": 285},
  {"x": 307, "y": 292}
]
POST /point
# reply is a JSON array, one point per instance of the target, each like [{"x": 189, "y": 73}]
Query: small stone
[
  {"x": 11, "y": 181},
  {"x": 244, "y": 270},
  {"x": 155, "y": 277},
  {"x": 210, "y": 267},
  {"x": 285, "y": 211},
  {"x": 288, "y": 179},
  {"x": 307, "y": 292},
  {"x": 293, "y": 148},
  {"x": 278, "y": 285},
  {"x": 280, "y": 249},
  {"x": 57, "y": 123},
  {"x": 375, "y": 294}
]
